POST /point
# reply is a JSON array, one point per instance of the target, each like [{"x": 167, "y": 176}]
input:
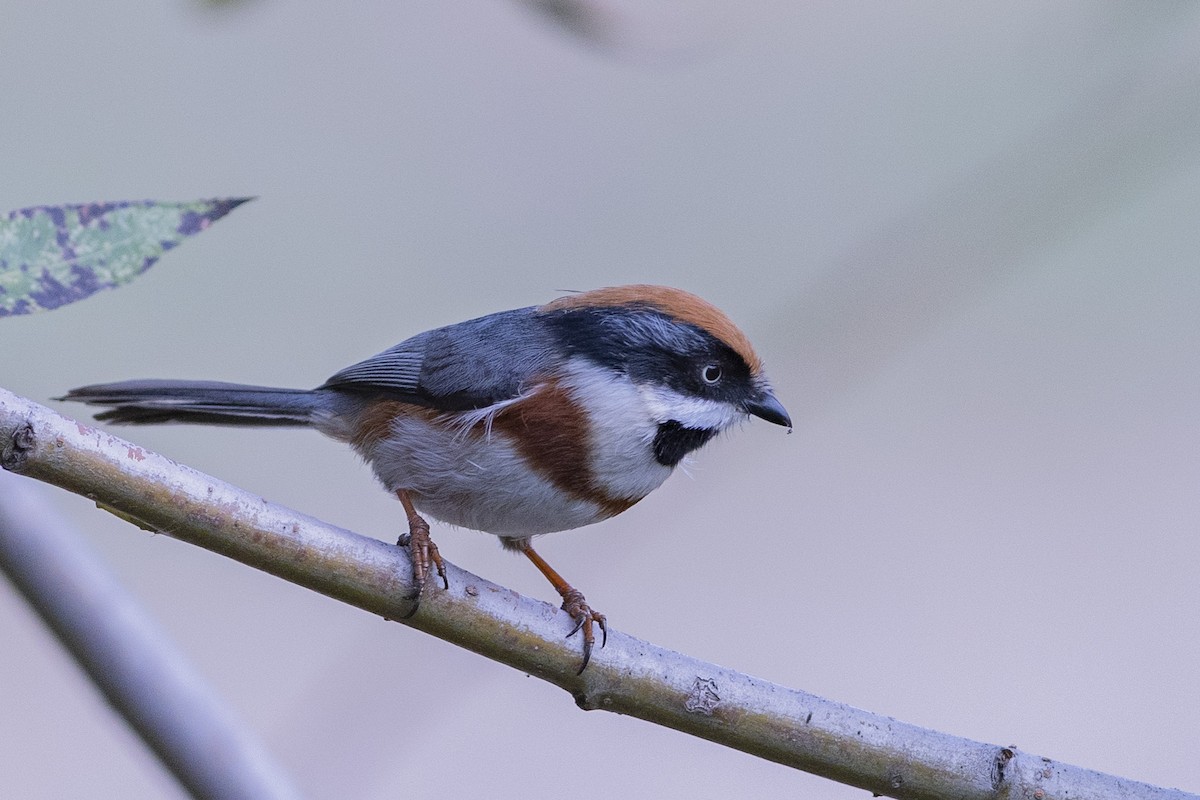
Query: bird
[{"x": 518, "y": 423}]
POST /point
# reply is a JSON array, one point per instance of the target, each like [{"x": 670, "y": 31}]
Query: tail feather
[{"x": 150, "y": 402}]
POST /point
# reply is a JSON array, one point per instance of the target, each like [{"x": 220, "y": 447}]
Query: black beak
[{"x": 765, "y": 406}]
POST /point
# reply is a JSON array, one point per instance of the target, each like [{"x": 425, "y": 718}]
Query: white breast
[
  {"x": 623, "y": 428},
  {"x": 468, "y": 475},
  {"x": 475, "y": 480}
]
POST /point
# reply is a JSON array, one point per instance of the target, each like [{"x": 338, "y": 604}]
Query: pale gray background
[{"x": 965, "y": 240}]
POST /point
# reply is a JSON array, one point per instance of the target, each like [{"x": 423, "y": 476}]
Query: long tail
[{"x": 151, "y": 402}]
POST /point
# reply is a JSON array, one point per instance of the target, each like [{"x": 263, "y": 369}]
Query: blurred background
[{"x": 964, "y": 239}]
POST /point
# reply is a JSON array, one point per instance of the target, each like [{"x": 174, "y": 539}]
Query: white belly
[
  {"x": 470, "y": 475},
  {"x": 476, "y": 480}
]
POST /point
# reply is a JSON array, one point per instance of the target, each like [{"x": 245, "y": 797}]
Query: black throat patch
[{"x": 673, "y": 441}]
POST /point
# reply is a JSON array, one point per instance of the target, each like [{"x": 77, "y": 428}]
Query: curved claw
[
  {"x": 425, "y": 558},
  {"x": 573, "y": 603},
  {"x": 584, "y": 616},
  {"x": 587, "y": 656}
]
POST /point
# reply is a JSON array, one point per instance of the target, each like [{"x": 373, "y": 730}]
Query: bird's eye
[{"x": 711, "y": 373}]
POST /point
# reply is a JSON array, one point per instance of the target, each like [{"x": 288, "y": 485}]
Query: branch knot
[{"x": 16, "y": 450}]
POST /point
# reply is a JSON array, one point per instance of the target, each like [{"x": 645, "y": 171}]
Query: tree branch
[
  {"x": 627, "y": 676},
  {"x": 212, "y": 754}
]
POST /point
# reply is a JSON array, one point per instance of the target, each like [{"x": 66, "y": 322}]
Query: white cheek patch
[
  {"x": 624, "y": 420},
  {"x": 622, "y": 431},
  {"x": 692, "y": 412}
]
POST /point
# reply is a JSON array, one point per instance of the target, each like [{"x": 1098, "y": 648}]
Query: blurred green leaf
[{"x": 54, "y": 255}]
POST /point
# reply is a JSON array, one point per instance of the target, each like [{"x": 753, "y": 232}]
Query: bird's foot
[
  {"x": 585, "y": 618},
  {"x": 425, "y": 558}
]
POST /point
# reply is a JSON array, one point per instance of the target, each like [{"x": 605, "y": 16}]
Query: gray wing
[{"x": 468, "y": 365}]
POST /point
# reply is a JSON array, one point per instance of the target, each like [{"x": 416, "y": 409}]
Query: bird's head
[{"x": 695, "y": 370}]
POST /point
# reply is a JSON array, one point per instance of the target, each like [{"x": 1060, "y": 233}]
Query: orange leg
[
  {"x": 573, "y": 603},
  {"x": 422, "y": 550}
]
